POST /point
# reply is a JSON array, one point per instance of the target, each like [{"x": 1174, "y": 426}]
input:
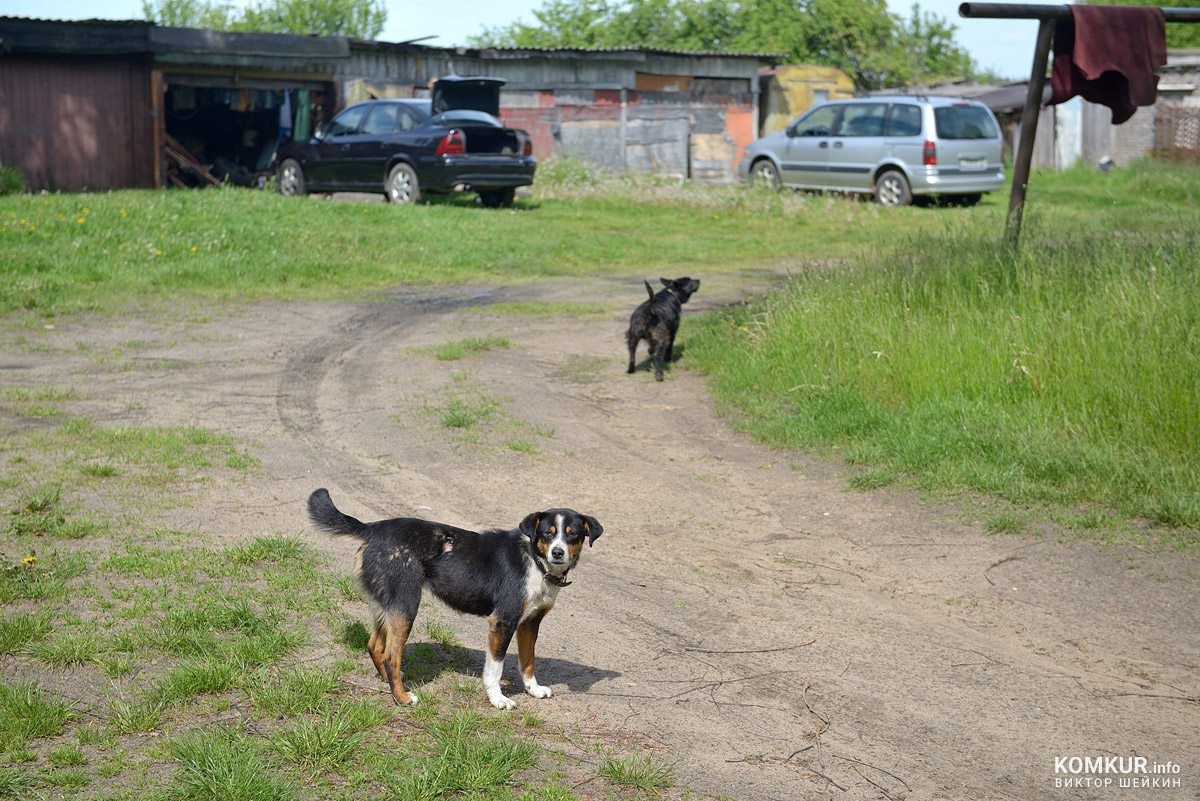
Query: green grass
[
  {"x": 28, "y": 712},
  {"x": 1063, "y": 374},
  {"x": 637, "y": 771},
  {"x": 18, "y": 630},
  {"x": 461, "y": 348},
  {"x": 76, "y": 252}
]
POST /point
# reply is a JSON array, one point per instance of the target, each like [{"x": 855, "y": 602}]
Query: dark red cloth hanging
[{"x": 1108, "y": 55}]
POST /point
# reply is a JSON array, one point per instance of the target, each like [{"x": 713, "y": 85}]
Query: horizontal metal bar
[{"x": 1039, "y": 11}]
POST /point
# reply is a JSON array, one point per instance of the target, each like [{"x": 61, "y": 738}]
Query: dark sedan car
[{"x": 407, "y": 148}]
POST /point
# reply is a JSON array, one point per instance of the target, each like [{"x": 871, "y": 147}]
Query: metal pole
[
  {"x": 1029, "y": 123},
  {"x": 1037, "y": 11}
]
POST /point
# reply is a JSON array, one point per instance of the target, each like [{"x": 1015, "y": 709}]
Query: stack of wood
[{"x": 184, "y": 169}]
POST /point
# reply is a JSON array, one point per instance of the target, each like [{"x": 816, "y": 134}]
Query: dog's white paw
[
  {"x": 538, "y": 690},
  {"x": 501, "y": 701}
]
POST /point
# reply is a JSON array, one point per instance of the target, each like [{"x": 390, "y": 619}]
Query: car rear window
[{"x": 964, "y": 122}]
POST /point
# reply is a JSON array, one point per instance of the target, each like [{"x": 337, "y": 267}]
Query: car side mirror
[
  {"x": 791, "y": 133},
  {"x": 319, "y": 134}
]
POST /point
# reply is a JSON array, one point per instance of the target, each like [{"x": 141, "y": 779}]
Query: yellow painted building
[{"x": 788, "y": 90}]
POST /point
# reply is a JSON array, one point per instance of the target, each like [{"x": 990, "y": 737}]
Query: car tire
[
  {"x": 290, "y": 178},
  {"x": 970, "y": 200},
  {"x": 892, "y": 189},
  {"x": 401, "y": 186},
  {"x": 497, "y": 198},
  {"x": 764, "y": 173}
]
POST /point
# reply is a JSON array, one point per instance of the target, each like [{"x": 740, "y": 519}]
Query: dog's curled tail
[
  {"x": 326, "y": 515},
  {"x": 650, "y": 292}
]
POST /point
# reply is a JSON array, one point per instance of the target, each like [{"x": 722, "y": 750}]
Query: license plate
[{"x": 972, "y": 164}]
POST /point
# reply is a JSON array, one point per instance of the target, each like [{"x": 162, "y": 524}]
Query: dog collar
[{"x": 557, "y": 581}]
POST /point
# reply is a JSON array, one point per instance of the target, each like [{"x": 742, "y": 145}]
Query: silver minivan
[{"x": 893, "y": 147}]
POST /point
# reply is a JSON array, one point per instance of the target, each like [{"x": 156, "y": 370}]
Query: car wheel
[
  {"x": 891, "y": 189},
  {"x": 401, "y": 186},
  {"x": 497, "y": 198},
  {"x": 971, "y": 199},
  {"x": 290, "y": 178},
  {"x": 764, "y": 173}
]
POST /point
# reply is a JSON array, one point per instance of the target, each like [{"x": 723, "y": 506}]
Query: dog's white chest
[{"x": 539, "y": 593}]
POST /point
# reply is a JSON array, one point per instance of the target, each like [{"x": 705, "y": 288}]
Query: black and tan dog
[
  {"x": 510, "y": 577},
  {"x": 657, "y": 321}
]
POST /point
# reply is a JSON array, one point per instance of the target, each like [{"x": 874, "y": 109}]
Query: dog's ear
[
  {"x": 666, "y": 281},
  {"x": 529, "y": 524},
  {"x": 593, "y": 528}
]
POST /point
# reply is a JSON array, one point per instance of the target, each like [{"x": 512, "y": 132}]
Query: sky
[{"x": 1005, "y": 46}]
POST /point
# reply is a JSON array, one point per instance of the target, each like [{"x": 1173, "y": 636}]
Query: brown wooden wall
[{"x": 78, "y": 122}]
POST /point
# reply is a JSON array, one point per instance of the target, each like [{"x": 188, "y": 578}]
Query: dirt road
[{"x": 773, "y": 634}]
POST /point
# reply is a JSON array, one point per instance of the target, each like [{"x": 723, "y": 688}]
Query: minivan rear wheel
[
  {"x": 892, "y": 189},
  {"x": 764, "y": 173}
]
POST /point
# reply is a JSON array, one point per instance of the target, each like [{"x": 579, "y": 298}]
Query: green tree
[
  {"x": 362, "y": 18},
  {"x": 876, "y": 48},
  {"x": 1179, "y": 34}
]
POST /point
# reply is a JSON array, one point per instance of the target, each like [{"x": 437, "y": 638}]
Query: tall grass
[{"x": 1066, "y": 374}]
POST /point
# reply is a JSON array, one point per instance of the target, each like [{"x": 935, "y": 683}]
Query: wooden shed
[{"x": 90, "y": 105}]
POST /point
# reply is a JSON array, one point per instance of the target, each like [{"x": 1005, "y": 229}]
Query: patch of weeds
[
  {"x": 1006, "y": 522},
  {"x": 441, "y": 633},
  {"x": 115, "y": 666},
  {"x": 68, "y": 649},
  {"x": 65, "y": 756},
  {"x": 872, "y": 479},
  {"x": 297, "y": 691},
  {"x": 355, "y": 637},
  {"x": 466, "y": 414},
  {"x": 465, "y": 761},
  {"x": 276, "y": 550},
  {"x": 67, "y": 779},
  {"x": 39, "y": 579},
  {"x": 22, "y": 756},
  {"x": 522, "y": 446},
  {"x": 583, "y": 369},
  {"x": 99, "y": 470},
  {"x": 125, "y": 717},
  {"x": 40, "y": 514},
  {"x": 19, "y": 630},
  {"x": 539, "y": 308},
  {"x": 224, "y": 765},
  {"x": 196, "y": 676},
  {"x": 640, "y": 772},
  {"x": 461, "y": 348},
  {"x": 26, "y": 712},
  {"x": 321, "y": 744},
  {"x": 113, "y": 766}
]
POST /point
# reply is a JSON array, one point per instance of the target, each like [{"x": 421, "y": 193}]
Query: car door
[
  {"x": 371, "y": 147},
  {"x": 805, "y": 160},
  {"x": 857, "y": 145},
  {"x": 331, "y": 165},
  {"x": 904, "y": 141}
]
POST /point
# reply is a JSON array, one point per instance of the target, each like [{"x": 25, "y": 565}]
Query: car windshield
[
  {"x": 466, "y": 116},
  {"x": 964, "y": 122}
]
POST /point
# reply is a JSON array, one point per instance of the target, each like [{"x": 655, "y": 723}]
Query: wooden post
[{"x": 1029, "y": 123}]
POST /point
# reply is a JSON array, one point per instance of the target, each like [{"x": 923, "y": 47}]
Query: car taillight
[
  {"x": 929, "y": 154},
  {"x": 527, "y": 150},
  {"x": 451, "y": 144}
]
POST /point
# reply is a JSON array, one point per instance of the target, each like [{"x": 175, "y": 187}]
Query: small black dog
[
  {"x": 510, "y": 577},
  {"x": 657, "y": 321}
]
